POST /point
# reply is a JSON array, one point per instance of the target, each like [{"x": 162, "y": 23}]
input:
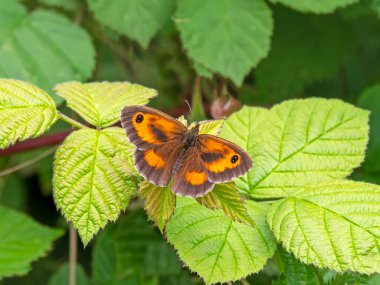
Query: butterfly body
[{"x": 166, "y": 150}]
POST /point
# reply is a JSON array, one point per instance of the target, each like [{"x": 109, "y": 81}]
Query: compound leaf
[
  {"x": 22, "y": 240},
  {"x": 25, "y": 111},
  {"x": 100, "y": 103},
  {"x": 89, "y": 183},
  {"x": 139, "y": 20},
  {"x": 205, "y": 239},
  {"x": 60, "y": 51},
  {"x": 333, "y": 224},
  {"x": 237, "y": 36}
]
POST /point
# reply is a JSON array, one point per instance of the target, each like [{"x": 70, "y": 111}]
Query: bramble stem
[
  {"x": 73, "y": 250},
  {"x": 70, "y": 121}
]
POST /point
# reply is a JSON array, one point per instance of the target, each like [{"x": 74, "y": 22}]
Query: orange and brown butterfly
[{"x": 167, "y": 150}]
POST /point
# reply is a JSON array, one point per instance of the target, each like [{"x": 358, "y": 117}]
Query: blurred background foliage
[{"x": 257, "y": 52}]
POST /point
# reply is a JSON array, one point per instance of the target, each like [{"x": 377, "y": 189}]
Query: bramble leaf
[
  {"x": 159, "y": 203},
  {"x": 227, "y": 197},
  {"x": 301, "y": 142},
  {"x": 26, "y": 111},
  {"x": 205, "y": 239},
  {"x": 100, "y": 103},
  {"x": 237, "y": 36},
  {"x": 139, "y": 20},
  {"x": 321, "y": 6},
  {"x": 51, "y": 58},
  {"x": 89, "y": 184},
  {"x": 22, "y": 240},
  {"x": 334, "y": 225},
  {"x": 243, "y": 128},
  {"x": 210, "y": 127}
]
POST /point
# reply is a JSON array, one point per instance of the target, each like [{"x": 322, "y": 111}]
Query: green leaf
[
  {"x": 237, "y": 36},
  {"x": 25, "y": 111},
  {"x": 305, "y": 141},
  {"x": 290, "y": 66},
  {"x": 42, "y": 47},
  {"x": 131, "y": 249},
  {"x": 139, "y": 20},
  {"x": 61, "y": 276},
  {"x": 319, "y": 7},
  {"x": 205, "y": 239},
  {"x": 209, "y": 127},
  {"x": 89, "y": 184},
  {"x": 227, "y": 197},
  {"x": 334, "y": 225},
  {"x": 295, "y": 272},
  {"x": 159, "y": 203},
  {"x": 22, "y": 240},
  {"x": 243, "y": 129},
  {"x": 100, "y": 103},
  {"x": 202, "y": 70},
  {"x": 370, "y": 99}
]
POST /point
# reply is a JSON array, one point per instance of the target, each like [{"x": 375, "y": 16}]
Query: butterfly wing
[
  {"x": 223, "y": 160},
  {"x": 146, "y": 127},
  {"x": 191, "y": 177},
  {"x": 156, "y": 163}
]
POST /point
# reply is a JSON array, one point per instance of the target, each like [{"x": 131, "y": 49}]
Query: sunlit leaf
[
  {"x": 334, "y": 225},
  {"x": 205, "y": 239},
  {"x": 100, "y": 103},
  {"x": 89, "y": 184},
  {"x": 25, "y": 111}
]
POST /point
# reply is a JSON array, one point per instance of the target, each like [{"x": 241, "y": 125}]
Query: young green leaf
[
  {"x": 319, "y": 7},
  {"x": 237, "y": 36},
  {"x": 290, "y": 67},
  {"x": 334, "y": 225},
  {"x": 305, "y": 141},
  {"x": 25, "y": 111},
  {"x": 100, "y": 103},
  {"x": 159, "y": 203},
  {"x": 210, "y": 127},
  {"x": 205, "y": 239},
  {"x": 132, "y": 249},
  {"x": 22, "y": 240},
  {"x": 60, "y": 50},
  {"x": 243, "y": 128},
  {"x": 228, "y": 198},
  {"x": 89, "y": 184},
  {"x": 294, "y": 271},
  {"x": 61, "y": 276},
  {"x": 139, "y": 20}
]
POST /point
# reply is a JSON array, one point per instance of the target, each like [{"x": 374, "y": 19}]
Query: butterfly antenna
[{"x": 188, "y": 105}]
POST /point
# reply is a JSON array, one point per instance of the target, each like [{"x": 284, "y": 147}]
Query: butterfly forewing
[
  {"x": 146, "y": 127},
  {"x": 222, "y": 159}
]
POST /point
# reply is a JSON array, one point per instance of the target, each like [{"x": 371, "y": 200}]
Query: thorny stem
[
  {"x": 70, "y": 121},
  {"x": 73, "y": 250}
]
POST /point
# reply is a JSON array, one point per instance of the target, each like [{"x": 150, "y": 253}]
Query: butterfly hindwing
[
  {"x": 222, "y": 159},
  {"x": 156, "y": 163},
  {"x": 146, "y": 127},
  {"x": 191, "y": 178}
]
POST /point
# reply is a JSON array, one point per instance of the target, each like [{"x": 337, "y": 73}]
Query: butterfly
[{"x": 167, "y": 150}]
